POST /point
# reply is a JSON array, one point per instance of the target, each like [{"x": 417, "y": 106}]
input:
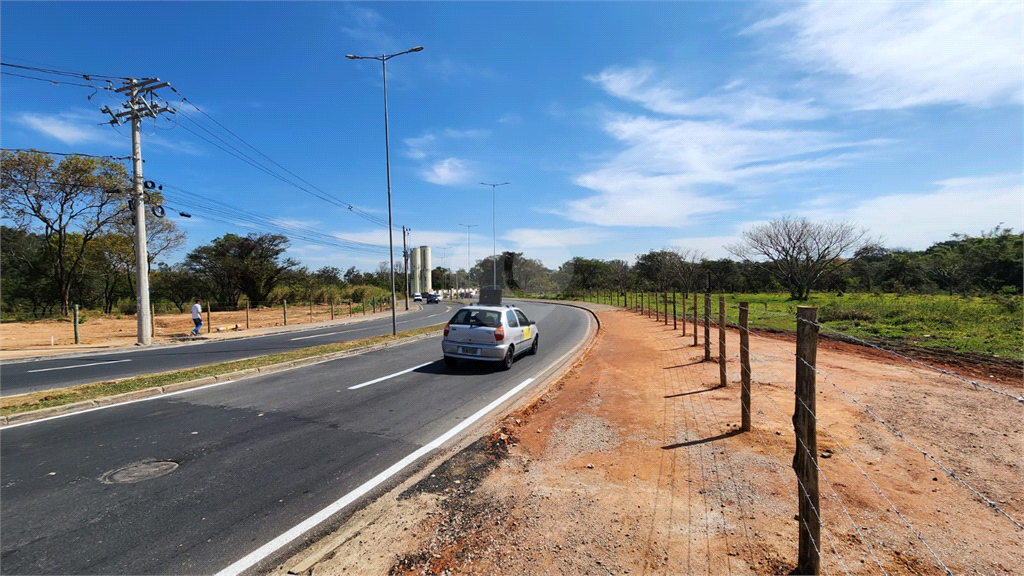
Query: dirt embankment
[{"x": 633, "y": 464}]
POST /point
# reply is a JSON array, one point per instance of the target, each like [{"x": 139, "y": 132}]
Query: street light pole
[
  {"x": 494, "y": 232},
  {"x": 387, "y": 163},
  {"x": 468, "y": 226}
]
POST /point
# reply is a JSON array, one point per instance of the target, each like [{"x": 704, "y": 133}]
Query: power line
[
  {"x": 65, "y": 153},
  {"x": 320, "y": 193},
  {"x": 63, "y": 72}
]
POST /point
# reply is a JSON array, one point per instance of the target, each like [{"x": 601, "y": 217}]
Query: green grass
[
  {"x": 46, "y": 399},
  {"x": 991, "y": 326}
]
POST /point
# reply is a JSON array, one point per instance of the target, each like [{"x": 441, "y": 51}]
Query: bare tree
[{"x": 799, "y": 252}]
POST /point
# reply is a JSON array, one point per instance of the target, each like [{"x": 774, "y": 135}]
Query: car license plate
[{"x": 469, "y": 351}]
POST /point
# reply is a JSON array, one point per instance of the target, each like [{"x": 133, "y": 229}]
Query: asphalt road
[
  {"x": 239, "y": 467},
  {"x": 60, "y": 372}
]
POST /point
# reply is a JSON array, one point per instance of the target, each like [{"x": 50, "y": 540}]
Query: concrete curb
[{"x": 179, "y": 386}]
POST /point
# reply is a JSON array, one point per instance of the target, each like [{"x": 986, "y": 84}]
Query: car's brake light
[
  {"x": 446, "y": 328},
  {"x": 499, "y": 334}
]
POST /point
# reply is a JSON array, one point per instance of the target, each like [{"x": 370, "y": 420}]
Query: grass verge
[
  {"x": 984, "y": 325},
  {"x": 63, "y": 396}
]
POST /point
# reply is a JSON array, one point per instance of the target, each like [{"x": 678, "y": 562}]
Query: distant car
[
  {"x": 433, "y": 298},
  {"x": 417, "y": 297},
  {"x": 490, "y": 334}
]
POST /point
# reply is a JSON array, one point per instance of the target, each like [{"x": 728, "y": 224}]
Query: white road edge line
[
  {"x": 309, "y": 523},
  {"x": 105, "y": 406},
  {"x": 79, "y": 366},
  {"x": 389, "y": 376},
  {"x": 320, "y": 335}
]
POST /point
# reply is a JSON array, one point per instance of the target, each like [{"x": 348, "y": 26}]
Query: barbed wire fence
[{"x": 805, "y": 456}]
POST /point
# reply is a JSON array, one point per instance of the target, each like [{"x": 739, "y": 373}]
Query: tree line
[{"x": 71, "y": 241}]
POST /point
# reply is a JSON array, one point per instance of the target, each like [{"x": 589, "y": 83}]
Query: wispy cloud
[
  {"x": 530, "y": 238},
  {"x": 674, "y": 170},
  {"x": 71, "y": 128},
  {"x": 366, "y": 28},
  {"x": 455, "y": 71},
  {"x": 448, "y": 172},
  {"x": 918, "y": 219},
  {"x": 641, "y": 85},
  {"x": 418, "y": 147},
  {"x": 890, "y": 55}
]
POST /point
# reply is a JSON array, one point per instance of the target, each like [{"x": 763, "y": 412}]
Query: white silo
[
  {"x": 414, "y": 270},
  {"x": 425, "y": 269}
]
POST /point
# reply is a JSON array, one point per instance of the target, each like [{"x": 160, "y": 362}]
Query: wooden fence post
[
  {"x": 707, "y": 326},
  {"x": 332, "y": 307},
  {"x": 362, "y": 304},
  {"x": 657, "y": 307},
  {"x": 246, "y": 313},
  {"x": 675, "y": 321},
  {"x": 152, "y": 320},
  {"x": 350, "y": 308},
  {"x": 209, "y": 323},
  {"x": 745, "y": 367},
  {"x": 695, "y": 318},
  {"x": 805, "y": 460},
  {"x": 78, "y": 334},
  {"x": 684, "y": 315},
  {"x": 664, "y": 296},
  {"x": 721, "y": 342},
  {"x": 311, "y": 311}
]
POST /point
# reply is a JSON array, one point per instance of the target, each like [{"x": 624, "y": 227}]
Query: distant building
[{"x": 419, "y": 270}]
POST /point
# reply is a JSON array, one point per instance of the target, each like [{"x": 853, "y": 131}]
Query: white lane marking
[
  {"x": 79, "y": 366},
  {"x": 383, "y": 378},
  {"x": 269, "y": 548}
]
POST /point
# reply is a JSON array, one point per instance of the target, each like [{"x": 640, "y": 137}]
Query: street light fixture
[
  {"x": 383, "y": 58},
  {"x": 468, "y": 226},
  {"x": 494, "y": 232}
]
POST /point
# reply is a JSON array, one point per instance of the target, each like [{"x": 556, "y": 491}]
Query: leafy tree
[
  {"x": 177, "y": 284},
  {"x": 61, "y": 200},
  {"x": 586, "y": 274},
  {"x": 25, "y": 279},
  {"x": 799, "y": 252},
  {"x": 232, "y": 266},
  {"x": 658, "y": 269}
]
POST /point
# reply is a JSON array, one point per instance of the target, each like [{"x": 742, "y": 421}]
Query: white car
[
  {"x": 417, "y": 297},
  {"x": 488, "y": 333}
]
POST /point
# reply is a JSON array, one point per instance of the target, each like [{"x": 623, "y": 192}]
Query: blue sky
[{"x": 621, "y": 127}]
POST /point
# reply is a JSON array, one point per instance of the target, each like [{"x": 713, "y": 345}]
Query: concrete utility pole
[{"x": 136, "y": 109}]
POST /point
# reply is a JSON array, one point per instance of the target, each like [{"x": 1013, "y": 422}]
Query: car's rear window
[{"x": 477, "y": 318}]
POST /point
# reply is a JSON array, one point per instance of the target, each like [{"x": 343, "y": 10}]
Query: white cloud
[
  {"x": 916, "y": 220},
  {"x": 448, "y": 172},
  {"x": 69, "y": 127},
  {"x": 529, "y": 238},
  {"x": 671, "y": 169},
  {"x": 892, "y": 55},
  {"x": 418, "y": 147},
  {"x": 472, "y": 134},
  {"x": 639, "y": 85}
]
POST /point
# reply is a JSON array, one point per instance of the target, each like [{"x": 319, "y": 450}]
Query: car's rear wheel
[
  {"x": 533, "y": 347},
  {"x": 506, "y": 362},
  {"x": 450, "y": 362}
]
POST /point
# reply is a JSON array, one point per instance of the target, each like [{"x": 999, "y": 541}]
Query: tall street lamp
[
  {"x": 468, "y": 226},
  {"x": 383, "y": 58},
  {"x": 494, "y": 231}
]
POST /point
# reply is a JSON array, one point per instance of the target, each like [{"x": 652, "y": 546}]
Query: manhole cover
[{"x": 138, "y": 472}]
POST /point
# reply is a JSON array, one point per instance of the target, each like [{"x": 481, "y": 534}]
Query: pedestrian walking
[{"x": 197, "y": 317}]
